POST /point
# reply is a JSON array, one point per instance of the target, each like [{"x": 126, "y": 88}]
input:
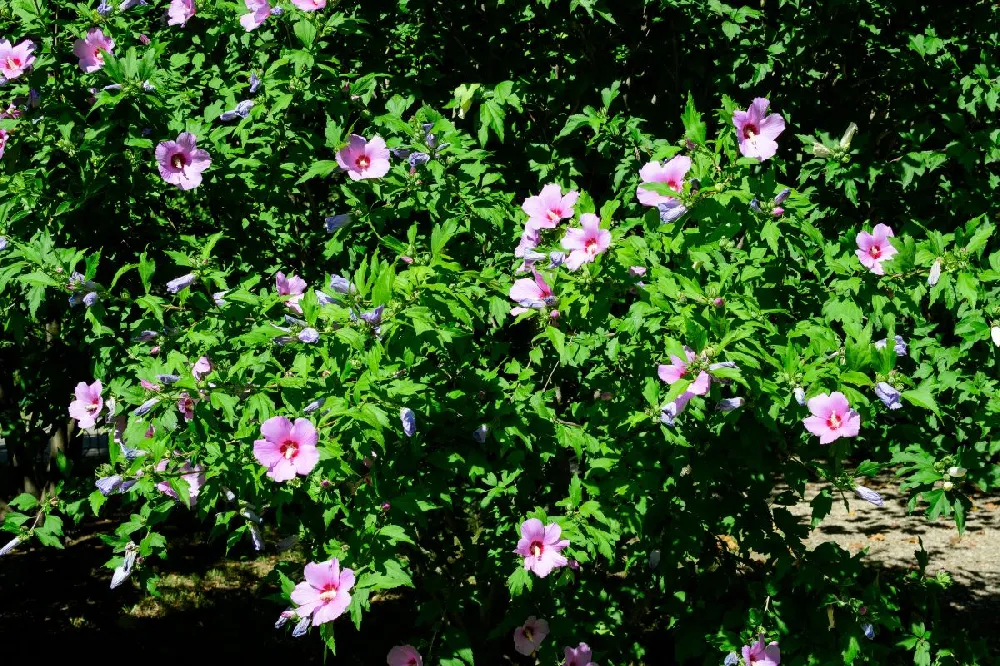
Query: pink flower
[
  {"x": 404, "y": 655},
  {"x": 548, "y": 208},
  {"x": 181, "y": 163},
  {"x": 185, "y": 405},
  {"x": 756, "y": 132},
  {"x": 201, "y": 367},
  {"x": 88, "y": 404},
  {"x": 325, "y": 592},
  {"x": 4, "y": 136},
  {"x": 586, "y": 242},
  {"x": 529, "y": 241},
  {"x": 194, "y": 476},
  {"x": 671, "y": 174},
  {"x": 530, "y": 635},
  {"x": 14, "y": 60},
  {"x": 832, "y": 417},
  {"x": 874, "y": 248},
  {"x": 758, "y": 653},
  {"x": 287, "y": 449},
  {"x": 581, "y": 655},
  {"x": 293, "y": 286},
  {"x": 180, "y": 12},
  {"x": 678, "y": 369},
  {"x": 531, "y": 294},
  {"x": 259, "y": 11},
  {"x": 363, "y": 159},
  {"x": 89, "y": 50},
  {"x": 540, "y": 546},
  {"x": 149, "y": 386},
  {"x": 309, "y": 5}
]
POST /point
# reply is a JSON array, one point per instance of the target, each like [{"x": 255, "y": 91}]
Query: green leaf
[
  {"x": 319, "y": 169},
  {"x": 922, "y": 397},
  {"x": 306, "y": 32},
  {"x": 24, "y": 502},
  {"x": 694, "y": 128}
]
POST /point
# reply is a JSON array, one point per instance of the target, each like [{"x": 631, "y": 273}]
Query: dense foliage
[{"x": 287, "y": 246}]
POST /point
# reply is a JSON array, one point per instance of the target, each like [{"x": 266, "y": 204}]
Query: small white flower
[
  {"x": 957, "y": 472},
  {"x": 935, "y": 274},
  {"x": 995, "y": 335}
]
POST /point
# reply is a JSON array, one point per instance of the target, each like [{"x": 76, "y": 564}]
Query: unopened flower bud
[
  {"x": 870, "y": 496},
  {"x": 144, "y": 40},
  {"x": 819, "y": 150},
  {"x": 957, "y": 472},
  {"x": 935, "y": 273},
  {"x": 845, "y": 141},
  {"x": 301, "y": 627},
  {"x": 782, "y": 195},
  {"x": 554, "y": 314},
  {"x": 800, "y": 395},
  {"x": 948, "y": 486}
]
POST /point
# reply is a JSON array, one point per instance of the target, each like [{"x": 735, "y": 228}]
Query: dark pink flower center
[
  {"x": 591, "y": 247},
  {"x": 537, "y": 548},
  {"x": 289, "y": 449},
  {"x": 328, "y": 594},
  {"x": 834, "y": 421},
  {"x": 97, "y": 55},
  {"x": 750, "y": 130},
  {"x": 554, "y": 214},
  {"x": 875, "y": 252},
  {"x": 177, "y": 161},
  {"x": 13, "y": 63},
  {"x": 363, "y": 162},
  {"x": 93, "y": 407}
]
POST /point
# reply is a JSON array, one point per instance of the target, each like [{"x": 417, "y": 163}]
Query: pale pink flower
[
  {"x": 530, "y": 635},
  {"x": 586, "y": 242},
  {"x": 832, "y": 417},
  {"x": 4, "y": 136},
  {"x": 309, "y": 5},
  {"x": 670, "y": 174},
  {"x": 874, "y": 248},
  {"x": 91, "y": 50},
  {"x": 531, "y": 293},
  {"x": 581, "y": 655},
  {"x": 193, "y": 475},
  {"x": 185, "y": 405},
  {"x": 287, "y": 449},
  {"x": 88, "y": 404},
  {"x": 756, "y": 132},
  {"x": 201, "y": 367},
  {"x": 678, "y": 369},
  {"x": 540, "y": 546},
  {"x": 325, "y": 594},
  {"x": 760, "y": 655},
  {"x": 293, "y": 286},
  {"x": 404, "y": 655},
  {"x": 15, "y": 60},
  {"x": 546, "y": 209},
  {"x": 362, "y": 158},
  {"x": 181, "y": 163},
  {"x": 529, "y": 241},
  {"x": 259, "y": 11},
  {"x": 180, "y": 12}
]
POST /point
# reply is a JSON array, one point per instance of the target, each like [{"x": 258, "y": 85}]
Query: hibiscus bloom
[
  {"x": 530, "y": 635},
  {"x": 91, "y": 50},
  {"x": 325, "y": 593},
  {"x": 678, "y": 368},
  {"x": 874, "y": 248},
  {"x": 88, "y": 404},
  {"x": 581, "y": 655},
  {"x": 194, "y": 476},
  {"x": 287, "y": 449},
  {"x": 756, "y": 132},
  {"x": 293, "y": 286},
  {"x": 4, "y": 136},
  {"x": 670, "y": 174},
  {"x": 309, "y": 5},
  {"x": 761, "y": 655},
  {"x": 180, "y": 12},
  {"x": 201, "y": 367},
  {"x": 540, "y": 546},
  {"x": 181, "y": 163},
  {"x": 259, "y": 11},
  {"x": 546, "y": 209},
  {"x": 362, "y": 158},
  {"x": 404, "y": 655},
  {"x": 586, "y": 242},
  {"x": 531, "y": 294},
  {"x": 15, "y": 60},
  {"x": 185, "y": 405},
  {"x": 832, "y": 417}
]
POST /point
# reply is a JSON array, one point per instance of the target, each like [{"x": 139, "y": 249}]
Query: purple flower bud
[
  {"x": 323, "y": 298},
  {"x": 109, "y": 485},
  {"x": 935, "y": 273},
  {"x": 11, "y": 545},
  {"x": 130, "y": 453},
  {"x": 309, "y": 335},
  {"x": 294, "y": 321},
  {"x": 124, "y": 570},
  {"x": 755, "y": 205},
  {"x": 242, "y": 110},
  {"x": 256, "y": 537},
  {"x": 34, "y": 99},
  {"x": 409, "y": 421},
  {"x": 729, "y": 404},
  {"x": 3, "y": 243},
  {"x": 277, "y": 11},
  {"x": 144, "y": 40},
  {"x": 869, "y": 495},
  {"x": 782, "y": 195},
  {"x": 869, "y": 631},
  {"x": 314, "y": 405},
  {"x": 104, "y": 8},
  {"x": 113, "y": 86},
  {"x": 554, "y": 314},
  {"x": 373, "y": 317},
  {"x": 401, "y": 153},
  {"x": 219, "y": 298},
  {"x": 427, "y": 127},
  {"x": 719, "y": 302},
  {"x": 386, "y": 506},
  {"x": 574, "y": 565},
  {"x": 301, "y": 627},
  {"x": 668, "y": 414},
  {"x": 479, "y": 434},
  {"x": 439, "y": 148},
  {"x": 282, "y": 340},
  {"x": 168, "y": 379},
  {"x": 183, "y": 282},
  {"x": 145, "y": 336},
  {"x": 800, "y": 395},
  {"x": 148, "y": 87},
  {"x": 722, "y": 364},
  {"x": 145, "y": 407},
  {"x": 777, "y": 211},
  {"x": 416, "y": 159},
  {"x": 90, "y": 299},
  {"x": 341, "y": 284},
  {"x": 74, "y": 300},
  {"x": 285, "y": 616},
  {"x": 129, "y": 4},
  {"x": 331, "y": 224},
  {"x": 637, "y": 271},
  {"x": 900, "y": 346},
  {"x": 732, "y": 659},
  {"x": 671, "y": 210},
  {"x": 888, "y": 395},
  {"x": 254, "y": 82}
]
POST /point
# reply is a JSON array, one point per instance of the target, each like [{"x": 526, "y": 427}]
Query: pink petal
[
  {"x": 321, "y": 575},
  {"x": 283, "y": 470},
  {"x": 532, "y": 529},
  {"x": 525, "y": 289},
  {"x": 772, "y": 126},
  {"x": 306, "y": 459},
  {"x": 816, "y": 425},
  {"x": 304, "y": 593},
  {"x": 821, "y": 405},
  {"x": 331, "y": 610},
  {"x": 575, "y": 239},
  {"x": 276, "y": 429},
  {"x": 576, "y": 259},
  {"x": 552, "y": 532},
  {"x": 700, "y": 385}
]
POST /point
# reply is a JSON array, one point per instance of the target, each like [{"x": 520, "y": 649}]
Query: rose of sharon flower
[
  {"x": 581, "y": 655},
  {"x": 181, "y": 163},
  {"x": 180, "y": 12},
  {"x": 287, "y": 449},
  {"x": 14, "y": 60},
  {"x": 4, "y": 136},
  {"x": 91, "y": 50},
  {"x": 586, "y": 242},
  {"x": 874, "y": 248},
  {"x": 530, "y": 635},
  {"x": 88, "y": 404},
  {"x": 531, "y": 294},
  {"x": 545, "y": 210},
  {"x": 194, "y": 476},
  {"x": 758, "y": 653},
  {"x": 540, "y": 546},
  {"x": 362, "y": 158},
  {"x": 832, "y": 417},
  {"x": 670, "y": 174},
  {"x": 259, "y": 11},
  {"x": 678, "y": 369},
  {"x": 404, "y": 655},
  {"x": 201, "y": 367},
  {"x": 293, "y": 286},
  {"x": 185, "y": 405},
  {"x": 756, "y": 132},
  {"x": 325, "y": 594},
  {"x": 309, "y": 5}
]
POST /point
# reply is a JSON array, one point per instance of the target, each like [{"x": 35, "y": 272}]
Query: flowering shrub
[{"x": 251, "y": 234}]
